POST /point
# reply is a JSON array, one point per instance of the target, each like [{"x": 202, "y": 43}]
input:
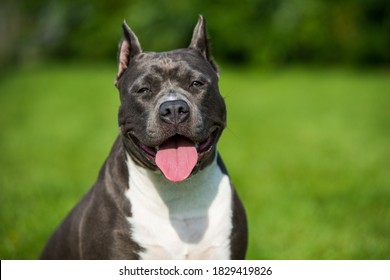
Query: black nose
[{"x": 174, "y": 112}]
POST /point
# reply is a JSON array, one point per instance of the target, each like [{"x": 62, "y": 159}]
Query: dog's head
[{"x": 171, "y": 114}]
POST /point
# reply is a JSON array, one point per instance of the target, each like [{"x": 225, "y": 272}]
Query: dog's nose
[{"x": 174, "y": 112}]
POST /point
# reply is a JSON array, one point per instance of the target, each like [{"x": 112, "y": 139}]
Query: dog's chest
[{"x": 187, "y": 220}]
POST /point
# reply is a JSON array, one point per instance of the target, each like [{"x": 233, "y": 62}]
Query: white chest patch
[{"x": 186, "y": 220}]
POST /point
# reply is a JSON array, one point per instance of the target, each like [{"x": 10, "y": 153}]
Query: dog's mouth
[{"x": 178, "y": 155}]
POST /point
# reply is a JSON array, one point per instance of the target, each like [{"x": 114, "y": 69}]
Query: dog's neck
[
  {"x": 185, "y": 220},
  {"x": 157, "y": 188}
]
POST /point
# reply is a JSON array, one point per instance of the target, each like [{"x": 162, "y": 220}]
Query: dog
[{"x": 163, "y": 192}]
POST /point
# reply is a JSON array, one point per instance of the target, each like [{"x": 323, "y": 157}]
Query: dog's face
[{"x": 171, "y": 114}]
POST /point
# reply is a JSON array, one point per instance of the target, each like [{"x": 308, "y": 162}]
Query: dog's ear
[
  {"x": 128, "y": 48},
  {"x": 199, "y": 41}
]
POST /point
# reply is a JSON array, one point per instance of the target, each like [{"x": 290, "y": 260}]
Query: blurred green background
[{"x": 307, "y": 86}]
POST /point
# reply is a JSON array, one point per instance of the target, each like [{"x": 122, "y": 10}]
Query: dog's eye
[
  {"x": 196, "y": 84},
  {"x": 143, "y": 90}
]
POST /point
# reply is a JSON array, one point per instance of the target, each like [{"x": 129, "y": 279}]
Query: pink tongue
[{"x": 176, "y": 158}]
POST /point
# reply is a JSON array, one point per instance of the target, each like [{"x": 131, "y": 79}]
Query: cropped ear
[
  {"x": 199, "y": 41},
  {"x": 128, "y": 48}
]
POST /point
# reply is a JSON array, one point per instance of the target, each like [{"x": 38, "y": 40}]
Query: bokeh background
[{"x": 307, "y": 86}]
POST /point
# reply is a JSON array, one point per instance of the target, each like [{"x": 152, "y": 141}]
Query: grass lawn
[{"x": 308, "y": 150}]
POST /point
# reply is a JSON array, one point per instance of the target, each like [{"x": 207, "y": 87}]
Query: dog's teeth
[
  {"x": 157, "y": 148},
  {"x": 196, "y": 145}
]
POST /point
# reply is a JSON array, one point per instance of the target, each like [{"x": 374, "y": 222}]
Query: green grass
[{"x": 308, "y": 151}]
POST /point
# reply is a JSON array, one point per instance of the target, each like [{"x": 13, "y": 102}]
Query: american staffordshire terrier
[{"x": 163, "y": 192}]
